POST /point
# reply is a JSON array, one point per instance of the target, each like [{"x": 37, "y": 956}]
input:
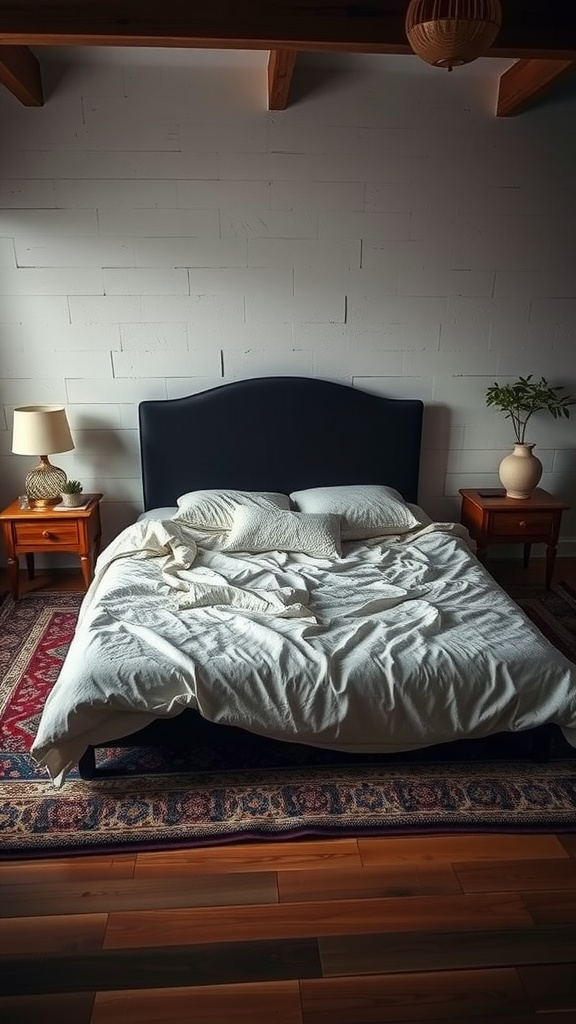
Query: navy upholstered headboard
[{"x": 278, "y": 434}]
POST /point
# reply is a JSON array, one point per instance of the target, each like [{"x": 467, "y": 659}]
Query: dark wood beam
[
  {"x": 543, "y": 29},
  {"x": 20, "y": 73},
  {"x": 525, "y": 81},
  {"x": 280, "y": 70}
]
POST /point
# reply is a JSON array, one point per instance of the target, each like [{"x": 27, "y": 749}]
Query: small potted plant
[
  {"x": 71, "y": 494},
  {"x": 520, "y": 471}
]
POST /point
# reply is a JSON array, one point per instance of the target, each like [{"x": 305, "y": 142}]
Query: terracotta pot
[{"x": 520, "y": 471}]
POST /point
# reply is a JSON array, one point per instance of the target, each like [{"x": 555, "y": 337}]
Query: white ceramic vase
[{"x": 520, "y": 471}]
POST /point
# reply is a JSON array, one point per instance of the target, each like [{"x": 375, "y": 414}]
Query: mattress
[{"x": 401, "y": 643}]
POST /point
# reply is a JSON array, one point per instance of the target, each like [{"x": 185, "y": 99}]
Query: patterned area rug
[{"x": 160, "y": 805}]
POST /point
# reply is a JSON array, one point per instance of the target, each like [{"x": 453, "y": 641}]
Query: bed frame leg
[{"x": 87, "y": 764}]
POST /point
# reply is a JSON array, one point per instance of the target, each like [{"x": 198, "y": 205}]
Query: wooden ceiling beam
[
  {"x": 526, "y": 81},
  {"x": 544, "y": 29},
  {"x": 20, "y": 73},
  {"x": 280, "y": 70}
]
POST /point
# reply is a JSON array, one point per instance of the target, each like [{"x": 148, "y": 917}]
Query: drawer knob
[
  {"x": 522, "y": 523},
  {"x": 47, "y": 534}
]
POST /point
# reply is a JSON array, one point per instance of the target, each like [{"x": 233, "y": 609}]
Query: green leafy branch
[{"x": 519, "y": 401}]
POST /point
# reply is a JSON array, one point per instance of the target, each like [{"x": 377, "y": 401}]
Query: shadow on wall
[
  {"x": 13, "y": 468},
  {"x": 55, "y": 74},
  {"x": 436, "y": 426},
  {"x": 310, "y": 81},
  {"x": 108, "y": 460}
]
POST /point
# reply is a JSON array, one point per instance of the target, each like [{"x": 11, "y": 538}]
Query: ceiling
[{"x": 537, "y": 38}]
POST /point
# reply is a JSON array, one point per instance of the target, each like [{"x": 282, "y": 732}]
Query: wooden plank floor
[
  {"x": 338, "y": 931},
  {"x": 471, "y": 928}
]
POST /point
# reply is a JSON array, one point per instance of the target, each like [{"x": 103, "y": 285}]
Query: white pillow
[
  {"x": 366, "y": 510},
  {"x": 157, "y": 514},
  {"x": 210, "y": 513},
  {"x": 256, "y": 529},
  {"x": 225, "y": 495}
]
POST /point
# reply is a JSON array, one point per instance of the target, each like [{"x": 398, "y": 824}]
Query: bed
[{"x": 385, "y": 644}]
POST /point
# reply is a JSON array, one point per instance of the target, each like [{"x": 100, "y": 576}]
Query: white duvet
[{"x": 399, "y": 644}]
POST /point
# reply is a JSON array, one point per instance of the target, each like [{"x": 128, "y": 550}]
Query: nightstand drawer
[
  {"x": 510, "y": 524},
  {"x": 48, "y": 533}
]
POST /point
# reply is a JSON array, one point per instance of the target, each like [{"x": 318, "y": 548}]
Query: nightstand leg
[
  {"x": 550, "y": 560},
  {"x": 13, "y": 576},
  {"x": 30, "y": 564},
  {"x": 527, "y": 550},
  {"x": 86, "y": 566}
]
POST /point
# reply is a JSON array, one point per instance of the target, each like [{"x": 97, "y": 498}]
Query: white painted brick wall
[
  {"x": 20, "y": 194},
  {"x": 198, "y": 310},
  {"x": 269, "y": 167},
  {"x": 191, "y": 252},
  {"x": 337, "y": 226},
  {"x": 41, "y": 224},
  {"x": 87, "y": 390},
  {"x": 244, "y": 135},
  {"x": 130, "y": 165},
  {"x": 146, "y": 281},
  {"x": 223, "y": 195},
  {"x": 161, "y": 233},
  {"x": 153, "y": 364},
  {"x": 7, "y": 253},
  {"x": 18, "y": 363},
  {"x": 111, "y": 194},
  {"x": 73, "y": 338},
  {"x": 107, "y": 310},
  {"x": 304, "y": 254},
  {"x": 70, "y": 281},
  {"x": 167, "y": 338},
  {"x": 246, "y": 223},
  {"x": 20, "y": 310},
  {"x": 159, "y": 222},
  {"x": 75, "y": 252},
  {"x": 317, "y": 195}
]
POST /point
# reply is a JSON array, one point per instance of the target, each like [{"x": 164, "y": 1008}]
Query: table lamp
[{"x": 36, "y": 429}]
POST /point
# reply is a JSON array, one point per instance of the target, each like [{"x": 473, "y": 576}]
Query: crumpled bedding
[
  {"x": 401, "y": 643},
  {"x": 198, "y": 589}
]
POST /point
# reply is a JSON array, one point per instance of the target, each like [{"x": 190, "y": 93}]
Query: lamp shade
[
  {"x": 448, "y": 33},
  {"x": 41, "y": 430}
]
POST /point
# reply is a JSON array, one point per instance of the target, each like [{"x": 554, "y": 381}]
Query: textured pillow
[
  {"x": 365, "y": 510},
  {"x": 256, "y": 529},
  {"x": 210, "y": 513}
]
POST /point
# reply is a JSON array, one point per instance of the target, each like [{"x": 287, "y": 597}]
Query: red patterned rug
[{"x": 159, "y": 804}]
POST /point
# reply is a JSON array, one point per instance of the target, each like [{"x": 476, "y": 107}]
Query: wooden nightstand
[
  {"x": 27, "y": 530},
  {"x": 491, "y": 518}
]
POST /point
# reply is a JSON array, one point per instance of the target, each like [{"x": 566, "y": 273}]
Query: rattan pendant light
[{"x": 448, "y": 33}]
